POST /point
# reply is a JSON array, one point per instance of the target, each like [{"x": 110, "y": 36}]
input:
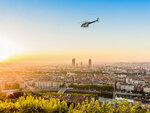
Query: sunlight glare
[{"x": 7, "y": 48}]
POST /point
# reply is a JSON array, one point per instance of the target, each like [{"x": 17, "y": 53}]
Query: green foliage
[
  {"x": 97, "y": 87},
  {"x": 12, "y": 86},
  {"x": 16, "y": 95},
  {"x": 2, "y": 96},
  {"x": 15, "y": 86},
  {"x": 32, "y": 104},
  {"x": 7, "y": 86},
  {"x": 63, "y": 94}
]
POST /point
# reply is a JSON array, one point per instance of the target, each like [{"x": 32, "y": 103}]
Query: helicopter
[{"x": 86, "y": 24}]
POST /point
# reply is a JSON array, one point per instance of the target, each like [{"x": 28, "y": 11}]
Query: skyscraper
[
  {"x": 73, "y": 62},
  {"x": 90, "y": 63},
  {"x": 81, "y": 64}
]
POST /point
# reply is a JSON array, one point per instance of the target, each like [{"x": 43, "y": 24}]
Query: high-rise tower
[
  {"x": 90, "y": 63},
  {"x": 73, "y": 62}
]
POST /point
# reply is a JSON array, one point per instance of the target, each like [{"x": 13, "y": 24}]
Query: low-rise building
[
  {"x": 146, "y": 89},
  {"x": 127, "y": 87},
  {"x": 47, "y": 85}
]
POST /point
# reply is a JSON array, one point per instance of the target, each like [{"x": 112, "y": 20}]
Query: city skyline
[{"x": 50, "y": 30}]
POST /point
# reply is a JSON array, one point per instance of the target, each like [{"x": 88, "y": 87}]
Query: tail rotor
[{"x": 97, "y": 20}]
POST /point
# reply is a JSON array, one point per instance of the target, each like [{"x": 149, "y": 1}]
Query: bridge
[
  {"x": 62, "y": 90},
  {"x": 128, "y": 94}
]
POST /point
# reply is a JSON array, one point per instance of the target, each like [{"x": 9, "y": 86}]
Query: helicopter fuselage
[{"x": 86, "y": 24}]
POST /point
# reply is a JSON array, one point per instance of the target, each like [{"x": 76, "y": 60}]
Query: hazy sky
[{"x": 51, "y": 28}]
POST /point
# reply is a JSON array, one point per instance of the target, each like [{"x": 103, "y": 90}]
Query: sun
[{"x": 7, "y": 48}]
